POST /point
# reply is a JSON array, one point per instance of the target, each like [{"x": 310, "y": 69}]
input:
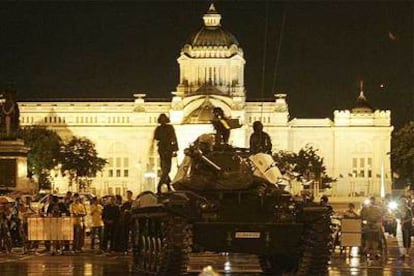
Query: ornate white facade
[{"x": 354, "y": 145}]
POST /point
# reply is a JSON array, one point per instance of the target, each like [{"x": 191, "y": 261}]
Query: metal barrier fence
[
  {"x": 351, "y": 232},
  {"x": 50, "y": 229}
]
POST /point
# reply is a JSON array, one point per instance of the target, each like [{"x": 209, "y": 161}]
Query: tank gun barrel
[
  {"x": 209, "y": 162},
  {"x": 195, "y": 152}
]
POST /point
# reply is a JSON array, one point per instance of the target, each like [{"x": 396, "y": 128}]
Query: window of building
[
  {"x": 118, "y": 162},
  {"x": 362, "y": 167},
  {"x": 369, "y": 167},
  {"x": 362, "y": 160}
]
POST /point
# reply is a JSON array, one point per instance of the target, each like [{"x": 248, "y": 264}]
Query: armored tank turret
[{"x": 226, "y": 200}]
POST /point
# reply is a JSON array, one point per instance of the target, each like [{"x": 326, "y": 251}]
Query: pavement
[{"x": 89, "y": 263}]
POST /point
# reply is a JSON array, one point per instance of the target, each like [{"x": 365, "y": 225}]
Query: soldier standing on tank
[
  {"x": 164, "y": 134},
  {"x": 259, "y": 140},
  {"x": 221, "y": 126}
]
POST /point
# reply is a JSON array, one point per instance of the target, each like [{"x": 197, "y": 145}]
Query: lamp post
[
  {"x": 2, "y": 101},
  {"x": 311, "y": 177},
  {"x": 352, "y": 184}
]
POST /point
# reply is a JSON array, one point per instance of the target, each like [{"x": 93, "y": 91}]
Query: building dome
[
  {"x": 212, "y": 37},
  {"x": 211, "y": 61}
]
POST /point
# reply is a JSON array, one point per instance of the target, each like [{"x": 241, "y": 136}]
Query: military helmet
[
  {"x": 218, "y": 112},
  {"x": 257, "y": 126},
  {"x": 163, "y": 119}
]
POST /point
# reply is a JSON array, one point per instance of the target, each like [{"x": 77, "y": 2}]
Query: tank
[{"x": 226, "y": 200}]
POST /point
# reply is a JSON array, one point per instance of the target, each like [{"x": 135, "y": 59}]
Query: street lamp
[{"x": 352, "y": 182}]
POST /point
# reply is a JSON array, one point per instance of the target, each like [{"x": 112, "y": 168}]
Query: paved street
[{"x": 87, "y": 263}]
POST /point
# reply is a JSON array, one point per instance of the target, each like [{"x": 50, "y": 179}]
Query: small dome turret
[{"x": 362, "y": 105}]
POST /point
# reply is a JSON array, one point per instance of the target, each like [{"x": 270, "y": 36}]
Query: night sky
[{"x": 109, "y": 49}]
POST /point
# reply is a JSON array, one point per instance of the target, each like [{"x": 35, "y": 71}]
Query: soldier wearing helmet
[
  {"x": 260, "y": 140},
  {"x": 166, "y": 139},
  {"x": 221, "y": 126}
]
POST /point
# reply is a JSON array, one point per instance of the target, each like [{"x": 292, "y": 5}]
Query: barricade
[
  {"x": 50, "y": 229},
  {"x": 351, "y": 232}
]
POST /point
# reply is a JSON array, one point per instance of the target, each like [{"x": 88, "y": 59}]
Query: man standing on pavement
[
  {"x": 406, "y": 216},
  {"x": 110, "y": 218},
  {"x": 372, "y": 233},
  {"x": 56, "y": 209},
  {"x": 67, "y": 201},
  {"x": 78, "y": 211},
  {"x": 125, "y": 223},
  {"x": 97, "y": 222},
  {"x": 350, "y": 212},
  {"x": 44, "y": 213}
]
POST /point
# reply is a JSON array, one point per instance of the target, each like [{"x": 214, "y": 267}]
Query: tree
[
  {"x": 402, "y": 153},
  {"x": 306, "y": 164},
  {"x": 44, "y": 152},
  {"x": 80, "y": 159}
]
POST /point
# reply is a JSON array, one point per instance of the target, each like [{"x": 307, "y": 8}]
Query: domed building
[
  {"x": 211, "y": 61},
  {"x": 354, "y": 144}
]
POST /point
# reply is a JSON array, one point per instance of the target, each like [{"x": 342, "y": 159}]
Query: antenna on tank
[
  {"x": 264, "y": 57},
  {"x": 279, "y": 46}
]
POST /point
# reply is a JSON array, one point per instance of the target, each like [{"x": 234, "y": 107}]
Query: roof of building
[
  {"x": 362, "y": 105},
  {"x": 212, "y": 33}
]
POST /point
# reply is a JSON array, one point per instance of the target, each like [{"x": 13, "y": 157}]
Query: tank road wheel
[
  {"x": 175, "y": 247},
  {"x": 157, "y": 253},
  {"x": 316, "y": 243},
  {"x": 146, "y": 244},
  {"x": 140, "y": 253},
  {"x": 270, "y": 265}
]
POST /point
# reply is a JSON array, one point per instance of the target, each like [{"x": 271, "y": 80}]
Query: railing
[{"x": 50, "y": 229}]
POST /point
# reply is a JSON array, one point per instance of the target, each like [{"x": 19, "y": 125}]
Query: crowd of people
[
  {"x": 372, "y": 215},
  {"x": 108, "y": 228}
]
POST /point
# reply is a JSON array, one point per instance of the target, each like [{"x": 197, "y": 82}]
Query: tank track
[
  {"x": 314, "y": 250},
  {"x": 316, "y": 242},
  {"x": 161, "y": 245}
]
